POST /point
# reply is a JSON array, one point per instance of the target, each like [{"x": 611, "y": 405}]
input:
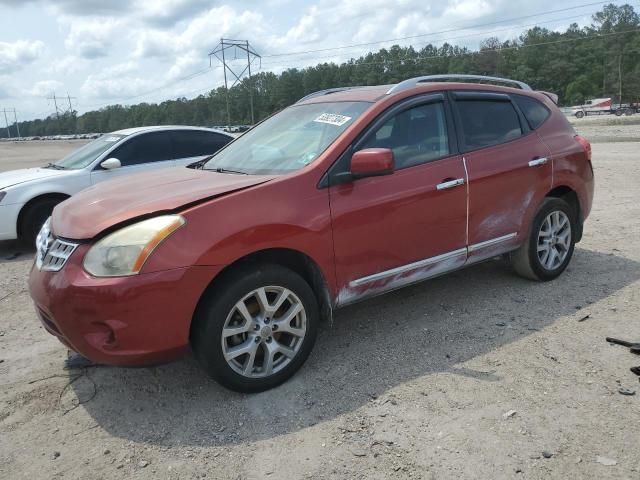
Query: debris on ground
[
  {"x": 609, "y": 462},
  {"x": 626, "y": 391},
  {"x": 584, "y": 318},
  {"x": 546, "y": 454},
  {"x": 509, "y": 414}
]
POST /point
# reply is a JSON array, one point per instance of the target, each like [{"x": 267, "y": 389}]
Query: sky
[{"x": 103, "y": 52}]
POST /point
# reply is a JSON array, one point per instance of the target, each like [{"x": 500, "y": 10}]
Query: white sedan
[{"x": 28, "y": 196}]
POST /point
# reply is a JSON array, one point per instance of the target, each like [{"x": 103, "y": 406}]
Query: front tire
[
  {"x": 33, "y": 217},
  {"x": 256, "y": 328},
  {"x": 549, "y": 247}
]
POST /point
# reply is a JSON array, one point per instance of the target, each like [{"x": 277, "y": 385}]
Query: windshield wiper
[
  {"x": 54, "y": 166},
  {"x": 226, "y": 170}
]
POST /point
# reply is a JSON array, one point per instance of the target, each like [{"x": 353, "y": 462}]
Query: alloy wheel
[
  {"x": 554, "y": 240},
  {"x": 264, "y": 331}
]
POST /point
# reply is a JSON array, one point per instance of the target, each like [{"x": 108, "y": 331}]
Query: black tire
[
  {"x": 579, "y": 114},
  {"x": 217, "y": 304},
  {"x": 33, "y": 217},
  {"x": 526, "y": 261},
  {"x": 619, "y": 112}
]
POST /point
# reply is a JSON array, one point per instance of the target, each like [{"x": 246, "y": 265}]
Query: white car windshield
[
  {"x": 88, "y": 153},
  {"x": 289, "y": 140}
]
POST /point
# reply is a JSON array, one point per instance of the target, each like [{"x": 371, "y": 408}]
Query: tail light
[{"x": 584, "y": 143}]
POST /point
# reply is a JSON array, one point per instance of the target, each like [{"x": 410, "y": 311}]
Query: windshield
[
  {"x": 289, "y": 140},
  {"x": 88, "y": 153}
]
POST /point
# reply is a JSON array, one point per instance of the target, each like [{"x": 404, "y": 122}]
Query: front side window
[
  {"x": 85, "y": 155},
  {"x": 415, "y": 136},
  {"x": 488, "y": 122},
  {"x": 289, "y": 140},
  {"x": 144, "y": 148}
]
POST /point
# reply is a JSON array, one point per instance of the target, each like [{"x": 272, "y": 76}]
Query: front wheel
[
  {"x": 549, "y": 247},
  {"x": 256, "y": 328}
]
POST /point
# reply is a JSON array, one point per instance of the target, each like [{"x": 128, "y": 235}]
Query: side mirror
[
  {"x": 111, "y": 163},
  {"x": 372, "y": 162}
]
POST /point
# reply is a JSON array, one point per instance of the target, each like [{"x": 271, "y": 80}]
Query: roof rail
[
  {"x": 412, "y": 82},
  {"x": 328, "y": 91}
]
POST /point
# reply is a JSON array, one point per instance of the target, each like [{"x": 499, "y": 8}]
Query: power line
[
  {"x": 434, "y": 33},
  {"x": 470, "y": 35}
]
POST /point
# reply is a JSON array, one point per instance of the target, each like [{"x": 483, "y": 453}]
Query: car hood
[
  {"x": 107, "y": 204},
  {"x": 15, "y": 177}
]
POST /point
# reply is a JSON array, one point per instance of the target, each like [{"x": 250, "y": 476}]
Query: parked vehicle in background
[
  {"x": 27, "y": 196},
  {"x": 603, "y": 106},
  {"x": 348, "y": 194}
]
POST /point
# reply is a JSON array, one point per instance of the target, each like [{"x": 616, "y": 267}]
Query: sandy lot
[{"x": 472, "y": 375}]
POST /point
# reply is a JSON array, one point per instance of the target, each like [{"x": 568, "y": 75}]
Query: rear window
[
  {"x": 534, "y": 111},
  {"x": 488, "y": 122}
]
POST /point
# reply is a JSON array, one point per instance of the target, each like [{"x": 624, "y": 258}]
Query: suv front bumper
[{"x": 129, "y": 321}]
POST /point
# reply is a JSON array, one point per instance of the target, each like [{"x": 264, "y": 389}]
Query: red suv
[{"x": 349, "y": 193}]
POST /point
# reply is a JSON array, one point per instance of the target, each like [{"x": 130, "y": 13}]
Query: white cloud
[
  {"x": 117, "y": 82},
  {"x": 44, "y": 88},
  {"x": 14, "y": 56},
  {"x": 93, "y": 38}
]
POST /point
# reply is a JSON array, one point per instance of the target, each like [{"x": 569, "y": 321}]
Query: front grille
[{"x": 51, "y": 252}]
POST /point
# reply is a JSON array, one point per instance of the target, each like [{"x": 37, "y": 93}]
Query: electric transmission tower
[
  {"x": 60, "y": 110},
  {"x": 221, "y": 52},
  {"x": 15, "y": 118}
]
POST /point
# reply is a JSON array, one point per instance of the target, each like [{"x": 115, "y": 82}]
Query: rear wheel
[
  {"x": 579, "y": 114},
  {"x": 549, "y": 247},
  {"x": 33, "y": 217},
  {"x": 255, "y": 329}
]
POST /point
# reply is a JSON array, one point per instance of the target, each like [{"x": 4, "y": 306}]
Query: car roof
[
  {"x": 157, "y": 128},
  {"x": 418, "y": 85}
]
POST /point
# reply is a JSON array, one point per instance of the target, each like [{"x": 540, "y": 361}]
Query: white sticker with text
[{"x": 332, "y": 119}]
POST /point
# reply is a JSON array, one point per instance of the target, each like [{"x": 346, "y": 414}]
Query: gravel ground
[{"x": 479, "y": 374}]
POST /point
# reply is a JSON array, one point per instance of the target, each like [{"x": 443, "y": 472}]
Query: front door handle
[
  {"x": 450, "y": 183},
  {"x": 536, "y": 162}
]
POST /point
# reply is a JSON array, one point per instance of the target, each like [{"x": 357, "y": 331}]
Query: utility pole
[
  {"x": 219, "y": 52},
  {"x": 6, "y": 123},
  {"x": 15, "y": 117},
  {"x": 55, "y": 102},
  {"x": 620, "y": 78}
]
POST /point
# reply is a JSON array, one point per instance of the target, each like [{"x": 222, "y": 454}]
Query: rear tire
[
  {"x": 579, "y": 114},
  {"x": 33, "y": 217},
  {"x": 275, "y": 314},
  {"x": 549, "y": 246}
]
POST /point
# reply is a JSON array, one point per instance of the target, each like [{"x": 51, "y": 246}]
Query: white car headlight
[{"x": 125, "y": 251}]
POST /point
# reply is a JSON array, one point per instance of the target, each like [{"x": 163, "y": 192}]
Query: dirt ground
[{"x": 479, "y": 374}]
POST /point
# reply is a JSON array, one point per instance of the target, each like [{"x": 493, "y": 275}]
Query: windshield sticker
[
  {"x": 332, "y": 119},
  {"x": 111, "y": 139}
]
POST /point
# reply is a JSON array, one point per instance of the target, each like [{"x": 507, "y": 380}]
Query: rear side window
[
  {"x": 144, "y": 148},
  {"x": 488, "y": 122},
  {"x": 194, "y": 143},
  {"x": 534, "y": 111}
]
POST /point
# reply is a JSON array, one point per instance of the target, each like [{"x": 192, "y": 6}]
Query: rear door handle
[
  {"x": 450, "y": 183},
  {"x": 538, "y": 161}
]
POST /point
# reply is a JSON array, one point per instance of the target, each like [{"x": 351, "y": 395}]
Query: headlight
[{"x": 124, "y": 252}]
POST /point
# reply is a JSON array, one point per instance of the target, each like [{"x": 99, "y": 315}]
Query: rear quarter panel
[{"x": 571, "y": 167}]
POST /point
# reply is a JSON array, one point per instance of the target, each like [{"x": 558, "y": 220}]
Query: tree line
[{"x": 600, "y": 60}]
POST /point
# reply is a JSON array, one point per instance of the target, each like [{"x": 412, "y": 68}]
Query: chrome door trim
[
  {"x": 450, "y": 184},
  {"x": 406, "y": 268},
  {"x": 538, "y": 161},
  {"x": 491, "y": 242},
  {"x": 466, "y": 176}
]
